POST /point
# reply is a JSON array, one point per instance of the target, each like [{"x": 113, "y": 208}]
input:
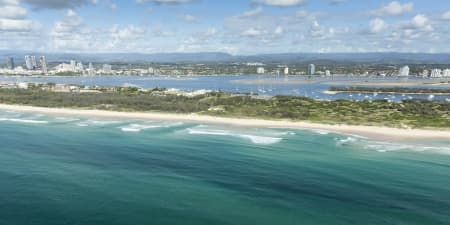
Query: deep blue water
[
  {"x": 61, "y": 170},
  {"x": 313, "y": 88}
]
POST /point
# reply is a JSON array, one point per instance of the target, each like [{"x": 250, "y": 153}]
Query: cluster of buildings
[
  {"x": 436, "y": 73},
  {"x": 32, "y": 63},
  {"x": 285, "y": 70},
  {"x": 75, "y": 67},
  {"x": 33, "y": 66},
  {"x": 262, "y": 70},
  {"x": 38, "y": 66}
]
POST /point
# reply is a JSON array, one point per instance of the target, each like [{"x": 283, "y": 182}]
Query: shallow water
[
  {"x": 70, "y": 170},
  {"x": 297, "y": 86}
]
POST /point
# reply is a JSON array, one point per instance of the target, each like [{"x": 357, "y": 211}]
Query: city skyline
[{"x": 235, "y": 27}]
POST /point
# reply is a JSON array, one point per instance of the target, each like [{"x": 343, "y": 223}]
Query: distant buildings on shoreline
[
  {"x": 311, "y": 69},
  {"x": 39, "y": 66}
]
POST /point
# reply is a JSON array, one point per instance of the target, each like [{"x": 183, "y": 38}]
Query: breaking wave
[
  {"x": 134, "y": 127},
  {"x": 256, "y": 139},
  {"x": 379, "y": 146},
  {"x": 96, "y": 123},
  {"x": 24, "y": 120}
]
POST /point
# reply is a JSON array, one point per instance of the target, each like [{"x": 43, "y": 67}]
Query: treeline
[{"x": 412, "y": 113}]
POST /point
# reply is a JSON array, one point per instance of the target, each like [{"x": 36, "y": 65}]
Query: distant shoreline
[
  {"x": 374, "y": 132},
  {"x": 378, "y": 92}
]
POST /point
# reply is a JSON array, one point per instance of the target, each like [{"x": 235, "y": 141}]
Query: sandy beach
[{"x": 379, "y": 133}]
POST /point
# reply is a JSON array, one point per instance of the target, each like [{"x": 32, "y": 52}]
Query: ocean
[{"x": 73, "y": 170}]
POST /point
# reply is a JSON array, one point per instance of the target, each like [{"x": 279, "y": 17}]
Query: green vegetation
[
  {"x": 412, "y": 113},
  {"x": 390, "y": 90}
]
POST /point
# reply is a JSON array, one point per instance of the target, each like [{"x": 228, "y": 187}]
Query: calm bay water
[
  {"x": 60, "y": 170},
  {"x": 278, "y": 85}
]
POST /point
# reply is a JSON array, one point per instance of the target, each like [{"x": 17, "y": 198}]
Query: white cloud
[
  {"x": 113, "y": 6},
  {"x": 446, "y": 15},
  {"x": 164, "y": 1},
  {"x": 15, "y": 25},
  {"x": 13, "y": 12},
  {"x": 377, "y": 25},
  {"x": 253, "y": 32},
  {"x": 279, "y": 30},
  {"x": 160, "y": 32},
  {"x": 188, "y": 18},
  {"x": 68, "y": 24},
  {"x": 319, "y": 32},
  {"x": 12, "y": 17},
  {"x": 337, "y": 2},
  {"x": 253, "y": 12},
  {"x": 394, "y": 8},
  {"x": 210, "y": 32},
  {"x": 419, "y": 20},
  {"x": 9, "y": 2},
  {"x": 422, "y": 22},
  {"x": 280, "y": 3},
  {"x": 129, "y": 32},
  {"x": 57, "y": 4}
]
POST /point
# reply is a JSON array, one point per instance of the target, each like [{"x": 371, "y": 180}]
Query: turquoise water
[{"x": 60, "y": 170}]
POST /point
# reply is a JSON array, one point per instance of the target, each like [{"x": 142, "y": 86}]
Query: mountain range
[{"x": 220, "y": 57}]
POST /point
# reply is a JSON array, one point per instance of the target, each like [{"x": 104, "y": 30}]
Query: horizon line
[{"x": 219, "y": 52}]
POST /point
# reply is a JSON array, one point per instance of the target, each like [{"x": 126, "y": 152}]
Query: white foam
[
  {"x": 256, "y": 139},
  {"x": 261, "y": 139},
  {"x": 134, "y": 127},
  {"x": 24, "y": 120},
  {"x": 383, "y": 147},
  {"x": 390, "y": 147},
  {"x": 138, "y": 127},
  {"x": 96, "y": 123},
  {"x": 345, "y": 141},
  {"x": 322, "y": 132},
  {"x": 66, "y": 119}
]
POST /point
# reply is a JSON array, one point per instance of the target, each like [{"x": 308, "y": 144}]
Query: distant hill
[{"x": 209, "y": 57}]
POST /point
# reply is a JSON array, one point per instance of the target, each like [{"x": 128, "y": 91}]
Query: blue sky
[{"x": 233, "y": 26}]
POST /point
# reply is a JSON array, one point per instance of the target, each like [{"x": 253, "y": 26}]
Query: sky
[{"x": 239, "y": 27}]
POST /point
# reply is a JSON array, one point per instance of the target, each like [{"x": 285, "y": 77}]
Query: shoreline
[
  {"x": 377, "y": 92},
  {"x": 373, "y": 132}
]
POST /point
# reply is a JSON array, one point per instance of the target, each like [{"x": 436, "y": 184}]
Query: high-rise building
[
  {"x": 436, "y": 73},
  {"x": 151, "y": 70},
  {"x": 34, "y": 62},
  {"x": 43, "y": 62},
  {"x": 73, "y": 65},
  {"x": 446, "y": 73},
  {"x": 404, "y": 71},
  {"x": 79, "y": 67},
  {"x": 327, "y": 73},
  {"x": 311, "y": 69},
  {"x": 91, "y": 71},
  {"x": 107, "y": 68},
  {"x": 286, "y": 71},
  {"x": 260, "y": 70},
  {"x": 425, "y": 73},
  {"x": 10, "y": 63},
  {"x": 28, "y": 62}
]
